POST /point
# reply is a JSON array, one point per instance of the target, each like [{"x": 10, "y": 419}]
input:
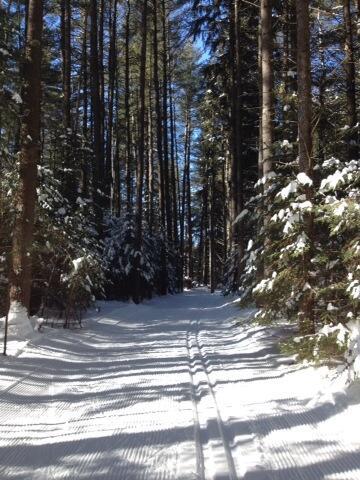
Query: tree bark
[
  {"x": 85, "y": 104},
  {"x": 98, "y": 141},
  {"x": 173, "y": 166},
  {"x": 141, "y": 153},
  {"x": 349, "y": 66},
  {"x": 159, "y": 125},
  {"x": 66, "y": 59},
  {"x": 185, "y": 196},
  {"x": 29, "y": 158},
  {"x": 128, "y": 162},
  {"x": 169, "y": 230},
  {"x": 306, "y": 314},
  {"x": 267, "y": 115},
  {"x": 112, "y": 66},
  {"x": 212, "y": 231}
]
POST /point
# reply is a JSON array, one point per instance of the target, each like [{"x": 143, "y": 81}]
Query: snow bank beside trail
[
  {"x": 20, "y": 329},
  {"x": 341, "y": 385},
  {"x": 19, "y": 323},
  {"x": 353, "y": 356}
]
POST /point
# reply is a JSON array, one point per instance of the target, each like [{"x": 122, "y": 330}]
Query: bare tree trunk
[
  {"x": 151, "y": 190},
  {"x": 212, "y": 230},
  {"x": 267, "y": 123},
  {"x": 260, "y": 152},
  {"x": 116, "y": 160},
  {"x": 85, "y": 166},
  {"x": 127, "y": 110},
  {"x": 349, "y": 66},
  {"x": 25, "y": 199},
  {"x": 66, "y": 59},
  {"x": 322, "y": 93},
  {"x": 110, "y": 161},
  {"x": 159, "y": 126},
  {"x": 169, "y": 229},
  {"x": 225, "y": 216},
  {"x": 184, "y": 196},
  {"x": 236, "y": 190},
  {"x": 101, "y": 21},
  {"x": 141, "y": 152},
  {"x": 98, "y": 141},
  {"x": 306, "y": 314},
  {"x": 187, "y": 177},
  {"x": 234, "y": 124},
  {"x": 173, "y": 165}
]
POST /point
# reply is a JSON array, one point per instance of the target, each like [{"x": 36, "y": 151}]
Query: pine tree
[{"x": 29, "y": 159}]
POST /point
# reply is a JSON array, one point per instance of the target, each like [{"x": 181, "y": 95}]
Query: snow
[
  {"x": 241, "y": 215},
  {"x": 301, "y": 243},
  {"x": 303, "y": 179},
  {"x": 332, "y": 181},
  {"x": 20, "y": 328},
  {"x": 77, "y": 263},
  {"x": 266, "y": 285},
  {"x": 354, "y": 289},
  {"x": 17, "y": 99},
  {"x": 353, "y": 357},
  {"x": 288, "y": 190},
  {"x": 179, "y": 388}
]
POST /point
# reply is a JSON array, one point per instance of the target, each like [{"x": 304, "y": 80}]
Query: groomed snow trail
[{"x": 171, "y": 389}]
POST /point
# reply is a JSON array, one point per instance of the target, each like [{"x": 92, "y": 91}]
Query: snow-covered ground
[{"x": 172, "y": 389}]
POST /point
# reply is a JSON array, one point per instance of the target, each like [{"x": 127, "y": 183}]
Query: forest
[
  {"x": 179, "y": 239},
  {"x": 151, "y": 146}
]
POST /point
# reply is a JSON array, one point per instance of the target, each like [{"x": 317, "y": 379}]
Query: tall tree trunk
[
  {"x": 110, "y": 161},
  {"x": 236, "y": 128},
  {"x": 306, "y": 314},
  {"x": 98, "y": 141},
  {"x": 159, "y": 125},
  {"x": 184, "y": 196},
  {"x": 25, "y": 199},
  {"x": 349, "y": 65},
  {"x": 260, "y": 152},
  {"x": 322, "y": 95},
  {"x": 189, "y": 217},
  {"x": 66, "y": 59},
  {"x": 85, "y": 166},
  {"x": 200, "y": 264},
  {"x": 151, "y": 189},
  {"x": 169, "y": 230},
  {"x": 173, "y": 162},
  {"x": 267, "y": 103},
  {"x": 290, "y": 131},
  {"x": 141, "y": 152},
  {"x": 160, "y": 146},
  {"x": 101, "y": 21},
  {"x": 234, "y": 182},
  {"x": 128, "y": 162},
  {"x": 267, "y": 111},
  {"x": 225, "y": 215},
  {"x": 212, "y": 230},
  {"x": 116, "y": 158},
  {"x": 187, "y": 194}
]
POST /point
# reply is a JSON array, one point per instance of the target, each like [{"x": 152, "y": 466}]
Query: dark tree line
[{"x": 224, "y": 167}]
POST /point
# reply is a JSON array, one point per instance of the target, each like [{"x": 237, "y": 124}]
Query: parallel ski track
[
  {"x": 200, "y": 463},
  {"x": 97, "y": 390},
  {"x": 199, "y": 355}
]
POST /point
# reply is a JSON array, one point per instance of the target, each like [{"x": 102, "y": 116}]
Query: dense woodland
[{"x": 147, "y": 146}]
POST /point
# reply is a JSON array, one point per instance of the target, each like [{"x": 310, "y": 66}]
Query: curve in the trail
[{"x": 174, "y": 389}]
